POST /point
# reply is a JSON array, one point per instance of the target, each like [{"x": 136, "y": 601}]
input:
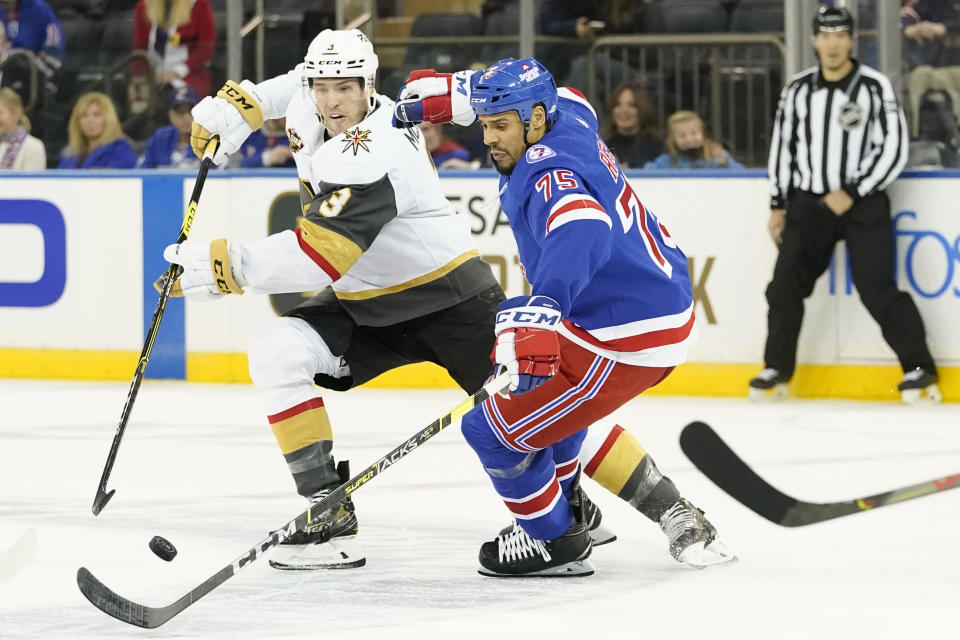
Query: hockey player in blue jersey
[{"x": 610, "y": 315}]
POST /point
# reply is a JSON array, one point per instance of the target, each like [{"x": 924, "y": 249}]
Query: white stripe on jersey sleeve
[
  {"x": 576, "y": 206},
  {"x": 639, "y": 327}
]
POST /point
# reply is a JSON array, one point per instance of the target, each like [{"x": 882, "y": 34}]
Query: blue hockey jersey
[
  {"x": 32, "y": 25},
  {"x": 586, "y": 240}
]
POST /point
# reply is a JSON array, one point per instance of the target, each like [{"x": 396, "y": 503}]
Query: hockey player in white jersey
[{"x": 401, "y": 278}]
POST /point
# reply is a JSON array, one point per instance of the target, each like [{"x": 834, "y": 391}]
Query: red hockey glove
[
  {"x": 434, "y": 97},
  {"x": 527, "y": 345}
]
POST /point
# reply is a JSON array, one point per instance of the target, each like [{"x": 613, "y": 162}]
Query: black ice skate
[
  {"x": 693, "y": 540},
  {"x": 592, "y": 518},
  {"x": 514, "y": 554},
  {"x": 517, "y": 555},
  {"x": 769, "y": 384},
  {"x": 329, "y": 541},
  {"x": 920, "y": 385}
]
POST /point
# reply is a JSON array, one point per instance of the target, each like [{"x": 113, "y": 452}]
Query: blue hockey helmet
[{"x": 515, "y": 85}]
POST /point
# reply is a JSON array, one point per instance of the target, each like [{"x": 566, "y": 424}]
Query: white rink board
[
  {"x": 101, "y": 306},
  {"x": 720, "y": 222}
]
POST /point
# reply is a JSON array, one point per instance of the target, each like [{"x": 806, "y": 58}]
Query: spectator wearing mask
[
  {"x": 96, "y": 140},
  {"x": 18, "y": 149},
  {"x": 181, "y": 34},
  {"x": 268, "y": 147},
  {"x": 169, "y": 146},
  {"x": 688, "y": 146},
  {"x": 631, "y": 127},
  {"x": 446, "y": 153}
]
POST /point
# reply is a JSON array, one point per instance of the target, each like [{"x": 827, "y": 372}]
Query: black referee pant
[{"x": 811, "y": 232}]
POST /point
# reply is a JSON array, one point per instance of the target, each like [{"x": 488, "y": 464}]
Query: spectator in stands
[
  {"x": 268, "y": 147},
  {"x": 446, "y": 153},
  {"x": 169, "y": 146},
  {"x": 631, "y": 127},
  {"x": 181, "y": 34},
  {"x": 688, "y": 146},
  {"x": 32, "y": 25},
  {"x": 932, "y": 28},
  {"x": 585, "y": 20},
  {"x": 18, "y": 149},
  {"x": 96, "y": 140},
  {"x": 4, "y": 42}
]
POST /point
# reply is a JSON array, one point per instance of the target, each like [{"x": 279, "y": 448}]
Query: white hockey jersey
[{"x": 376, "y": 228}]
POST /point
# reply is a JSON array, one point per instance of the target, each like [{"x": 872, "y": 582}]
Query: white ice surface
[{"x": 198, "y": 465}]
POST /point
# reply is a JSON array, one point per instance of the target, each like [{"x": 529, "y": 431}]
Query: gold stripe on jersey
[
  {"x": 302, "y": 429},
  {"x": 341, "y": 252},
  {"x": 622, "y": 460},
  {"x": 409, "y": 284},
  {"x": 306, "y": 195}
]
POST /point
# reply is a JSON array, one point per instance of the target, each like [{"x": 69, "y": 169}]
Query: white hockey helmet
[{"x": 342, "y": 54}]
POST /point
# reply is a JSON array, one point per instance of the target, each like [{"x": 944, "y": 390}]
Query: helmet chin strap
[
  {"x": 547, "y": 125},
  {"x": 526, "y": 129}
]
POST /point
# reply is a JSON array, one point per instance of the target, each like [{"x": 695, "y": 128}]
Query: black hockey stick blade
[
  {"x": 712, "y": 456},
  {"x": 113, "y": 604},
  {"x": 103, "y": 496},
  {"x": 101, "y": 499}
]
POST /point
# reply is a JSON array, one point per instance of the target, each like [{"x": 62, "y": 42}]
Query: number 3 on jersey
[
  {"x": 335, "y": 203},
  {"x": 629, "y": 208}
]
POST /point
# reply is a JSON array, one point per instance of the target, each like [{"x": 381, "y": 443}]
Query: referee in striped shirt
[{"x": 839, "y": 139}]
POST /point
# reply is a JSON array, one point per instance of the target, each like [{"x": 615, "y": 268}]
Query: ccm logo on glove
[
  {"x": 527, "y": 345},
  {"x": 525, "y": 317}
]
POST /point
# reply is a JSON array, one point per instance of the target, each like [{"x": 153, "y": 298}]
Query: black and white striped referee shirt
[{"x": 848, "y": 134}]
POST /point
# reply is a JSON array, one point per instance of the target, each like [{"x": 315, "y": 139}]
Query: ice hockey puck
[{"x": 163, "y": 548}]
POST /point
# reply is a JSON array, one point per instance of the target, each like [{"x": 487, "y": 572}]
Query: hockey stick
[
  {"x": 140, "y": 615},
  {"x": 18, "y": 556},
  {"x": 103, "y": 497},
  {"x": 718, "y": 462}
]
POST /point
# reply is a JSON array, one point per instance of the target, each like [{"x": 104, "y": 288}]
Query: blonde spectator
[
  {"x": 18, "y": 149},
  {"x": 688, "y": 146},
  {"x": 96, "y": 140}
]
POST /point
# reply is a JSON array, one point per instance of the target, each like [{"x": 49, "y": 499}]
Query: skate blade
[
  {"x": 601, "y": 535},
  {"x": 698, "y": 556},
  {"x": 776, "y": 393},
  {"x": 352, "y": 564},
  {"x": 339, "y": 553},
  {"x": 928, "y": 395},
  {"x": 575, "y": 569}
]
